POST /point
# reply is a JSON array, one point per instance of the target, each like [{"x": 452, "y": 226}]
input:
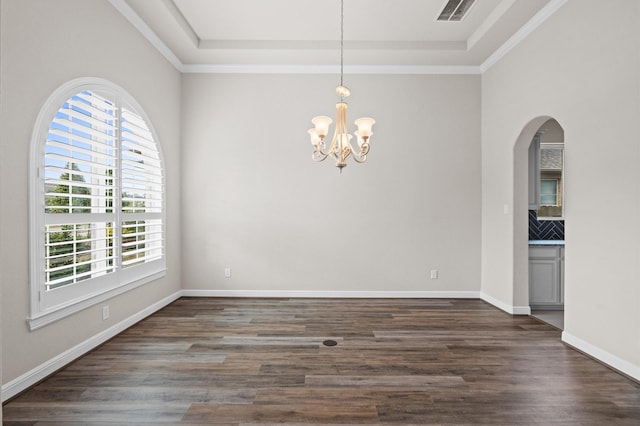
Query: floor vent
[{"x": 455, "y": 10}]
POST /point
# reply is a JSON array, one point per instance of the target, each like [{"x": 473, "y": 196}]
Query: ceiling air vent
[{"x": 455, "y": 10}]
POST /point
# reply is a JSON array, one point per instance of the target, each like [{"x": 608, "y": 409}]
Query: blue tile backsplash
[{"x": 545, "y": 229}]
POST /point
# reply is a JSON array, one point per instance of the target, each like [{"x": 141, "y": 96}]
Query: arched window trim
[{"x": 40, "y": 313}]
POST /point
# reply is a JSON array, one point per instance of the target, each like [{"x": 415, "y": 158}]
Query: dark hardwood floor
[{"x": 262, "y": 361}]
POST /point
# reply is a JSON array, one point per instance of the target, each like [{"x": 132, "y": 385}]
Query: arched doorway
[{"x": 539, "y": 219}]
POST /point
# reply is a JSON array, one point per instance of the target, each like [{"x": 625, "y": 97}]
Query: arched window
[{"x": 97, "y": 200}]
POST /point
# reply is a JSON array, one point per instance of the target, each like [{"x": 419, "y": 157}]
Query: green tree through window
[{"x": 69, "y": 246}]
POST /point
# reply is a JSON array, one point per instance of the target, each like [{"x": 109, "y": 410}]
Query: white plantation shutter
[
  {"x": 80, "y": 158},
  {"x": 99, "y": 221},
  {"x": 142, "y": 192}
]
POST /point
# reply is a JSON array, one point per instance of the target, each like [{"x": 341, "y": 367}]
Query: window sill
[{"x": 45, "y": 318}]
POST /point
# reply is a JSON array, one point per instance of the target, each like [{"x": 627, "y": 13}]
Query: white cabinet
[{"x": 546, "y": 277}]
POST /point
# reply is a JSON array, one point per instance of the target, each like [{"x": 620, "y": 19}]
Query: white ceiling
[{"x": 303, "y": 35}]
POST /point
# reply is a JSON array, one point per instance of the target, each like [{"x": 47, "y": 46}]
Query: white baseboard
[
  {"x": 33, "y": 376},
  {"x": 30, "y": 378},
  {"x": 611, "y": 360},
  {"x": 335, "y": 294},
  {"x": 510, "y": 309},
  {"x": 38, "y": 373}
]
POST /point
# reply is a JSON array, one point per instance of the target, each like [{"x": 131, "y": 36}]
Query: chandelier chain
[{"x": 341, "y": 41}]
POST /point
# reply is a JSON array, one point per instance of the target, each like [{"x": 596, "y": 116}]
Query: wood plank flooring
[{"x": 399, "y": 361}]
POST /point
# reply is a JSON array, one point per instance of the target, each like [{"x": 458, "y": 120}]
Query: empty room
[{"x": 320, "y": 212}]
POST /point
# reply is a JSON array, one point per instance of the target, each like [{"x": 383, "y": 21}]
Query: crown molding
[
  {"x": 138, "y": 23},
  {"x": 378, "y": 45},
  {"x": 544, "y": 13},
  {"x": 123, "y": 7},
  {"x": 182, "y": 22},
  {"x": 488, "y": 23},
  {"x": 333, "y": 69}
]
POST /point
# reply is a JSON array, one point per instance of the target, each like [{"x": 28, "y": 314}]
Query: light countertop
[{"x": 546, "y": 242}]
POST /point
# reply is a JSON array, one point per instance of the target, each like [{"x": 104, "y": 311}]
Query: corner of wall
[{"x": 510, "y": 309}]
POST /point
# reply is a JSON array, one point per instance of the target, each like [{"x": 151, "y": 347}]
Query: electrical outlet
[
  {"x": 434, "y": 274},
  {"x": 227, "y": 272},
  {"x": 105, "y": 312}
]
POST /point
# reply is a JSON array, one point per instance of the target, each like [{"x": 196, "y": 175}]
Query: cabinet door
[
  {"x": 561, "y": 273},
  {"x": 544, "y": 283},
  {"x": 534, "y": 173}
]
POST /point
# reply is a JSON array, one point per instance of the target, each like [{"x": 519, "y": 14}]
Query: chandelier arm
[
  {"x": 334, "y": 148},
  {"x": 318, "y": 155},
  {"x": 360, "y": 157},
  {"x": 321, "y": 151}
]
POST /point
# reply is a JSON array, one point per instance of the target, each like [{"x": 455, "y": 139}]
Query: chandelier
[{"x": 340, "y": 148}]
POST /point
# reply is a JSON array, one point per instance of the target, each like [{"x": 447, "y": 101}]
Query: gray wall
[
  {"x": 581, "y": 67},
  {"x": 254, "y": 200},
  {"x": 45, "y": 44}
]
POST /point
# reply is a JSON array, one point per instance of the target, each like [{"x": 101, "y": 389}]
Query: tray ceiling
[{"x": 210, "y": 35}]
